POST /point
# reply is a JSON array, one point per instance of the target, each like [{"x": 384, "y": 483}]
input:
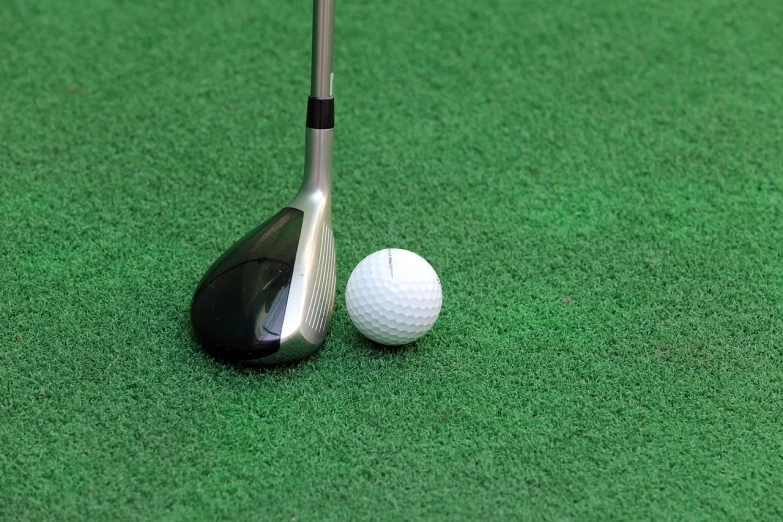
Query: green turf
[{"x": 599, "y": 184}]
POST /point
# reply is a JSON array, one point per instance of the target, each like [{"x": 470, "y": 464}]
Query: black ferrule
[{"x": 320, "y": 113}]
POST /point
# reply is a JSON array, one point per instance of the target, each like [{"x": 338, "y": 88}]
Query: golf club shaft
[
  {"x": 320, "y": 105},
  {"x": 323, "y": 42}
]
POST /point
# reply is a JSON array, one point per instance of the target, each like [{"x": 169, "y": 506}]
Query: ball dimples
[{"x": 393, "y": 296}]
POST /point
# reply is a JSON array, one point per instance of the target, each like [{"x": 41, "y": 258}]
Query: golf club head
[{"x": 270, "y": 297}]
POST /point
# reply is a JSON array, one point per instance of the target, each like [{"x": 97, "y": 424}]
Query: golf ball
[{"x": 393, "y": 296}]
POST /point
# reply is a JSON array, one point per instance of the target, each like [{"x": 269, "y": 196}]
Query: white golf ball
[{"x": 393, "y": 296}]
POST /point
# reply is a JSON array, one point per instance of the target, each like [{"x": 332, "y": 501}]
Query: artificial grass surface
[{"x": 598, "y": 184}]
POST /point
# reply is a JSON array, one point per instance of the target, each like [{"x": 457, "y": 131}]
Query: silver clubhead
[{"x": 270, "y": 297}]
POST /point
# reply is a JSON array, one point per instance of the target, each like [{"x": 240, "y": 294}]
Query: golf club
[{"x": 270, "y": 297}]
